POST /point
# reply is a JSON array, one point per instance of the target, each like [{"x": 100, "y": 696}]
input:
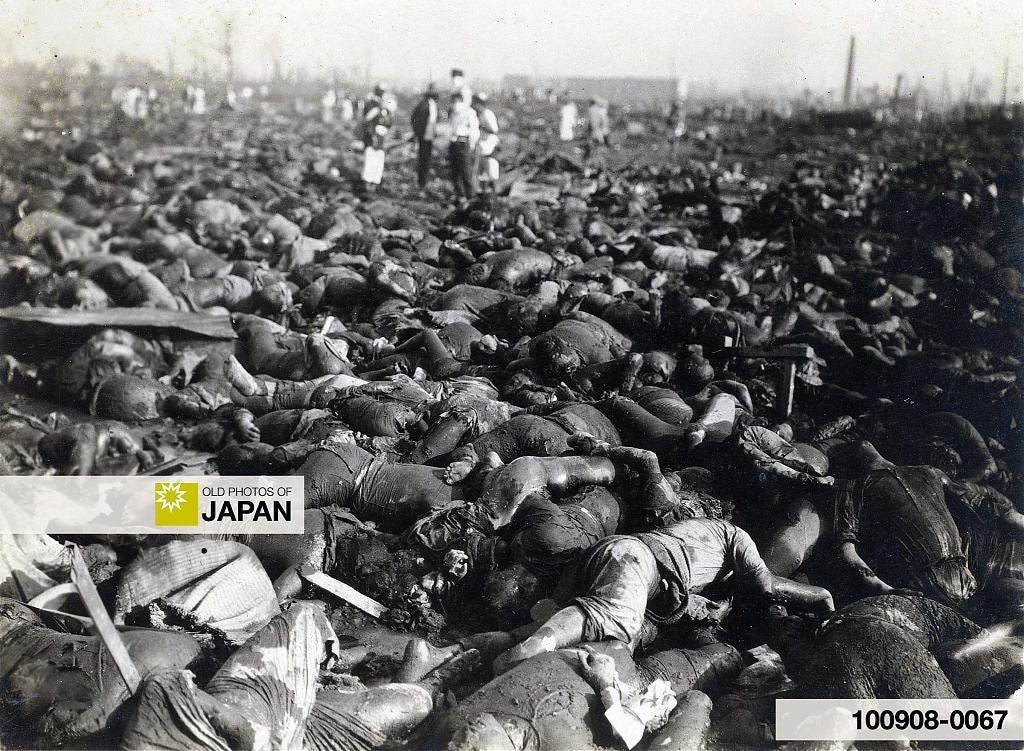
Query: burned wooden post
[
  {"x": 790, "y": 356},
  {"x": 848, "y": 84}
]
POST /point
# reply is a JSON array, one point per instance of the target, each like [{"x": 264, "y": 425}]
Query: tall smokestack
[
  {"x": 897, "y": 90},
  {"x": 848, "y": 86},
  {"x": 1006, "y": 77}
]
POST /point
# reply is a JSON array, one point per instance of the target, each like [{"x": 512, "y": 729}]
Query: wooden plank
[
  {"x": 786, "y": 388},
  {"x": 784, "y": 352},
  {"x": 340, "y": 589},
  {"x": 537, "y": 192},
  {"x": 212, "y": 326},
  {"x": 101, "y": 619}
]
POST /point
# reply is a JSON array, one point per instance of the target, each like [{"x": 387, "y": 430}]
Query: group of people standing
[
  {"x": 598, "y": 124},
  {"x": 472, "y": 136}
]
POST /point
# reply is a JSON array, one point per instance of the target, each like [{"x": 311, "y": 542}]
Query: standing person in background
[
  {"x": 459, "y": 85},
  {"x": 378, "y": 117},
  {"x": 465, "y": 132},
  {"x": 424, "y": 123},
  {"x": 347, "y": 109},
  {"x": 487, "y": 168},
  {"x": 567, "y": 119},
  {"x": 598, "y": 127},
  {"x": 327, "y": 104},
  {"x": 676, "y": 124}
]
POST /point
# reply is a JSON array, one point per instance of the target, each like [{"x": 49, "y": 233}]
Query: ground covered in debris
[{"x": 505, "y": 409}]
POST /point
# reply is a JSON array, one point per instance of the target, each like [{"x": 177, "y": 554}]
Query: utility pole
[
  {"x": 272, "y": 47},
  {"x": 848, "y": 85},
  {"x": 1006, "y": 78},
  {"x": 896, "y": 91}
]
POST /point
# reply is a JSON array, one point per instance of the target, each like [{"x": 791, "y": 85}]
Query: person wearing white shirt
[
  {"x": 465, "y": 132},
  {"x": 567, "y": 121}
]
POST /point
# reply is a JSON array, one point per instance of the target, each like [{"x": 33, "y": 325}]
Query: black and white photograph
[{"x": 466, "y": 375}]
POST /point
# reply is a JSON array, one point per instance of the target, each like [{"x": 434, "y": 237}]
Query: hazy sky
[{"x": 739, "y": 43}]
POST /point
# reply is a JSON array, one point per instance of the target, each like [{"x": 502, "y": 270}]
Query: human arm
[
  {"x": 463, "y": 461},
  {"x": 751, "y": 570},
  {"x": 851, "y": 559},
  {"x": 629, "y": 714},
  {"x": 984, "y": 502},
  {"x": 771, "y": 455}
]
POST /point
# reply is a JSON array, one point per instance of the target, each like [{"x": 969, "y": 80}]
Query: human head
[
  {"x": 935, "y": 453},
  {"x": 694, "y": 373},
  {"x": 556, "y": 358},
  {"x": 510, "y": 593},
  {"x": 495, "y": 732},
  {"x": 792, "y": 637},
  {"x": 487, "y": 345},
  {"x": 477, "y": 274},
  {"x": 659, "y": 367},
  {"x": 524, "y": 317},
  {"x": 431, "y": 92},
  {"x": 380, "y": 89},
  {"x": 340, "y": 435},
  {"x": 129, "y": 398},
  {"x": 856, "y": 458}
]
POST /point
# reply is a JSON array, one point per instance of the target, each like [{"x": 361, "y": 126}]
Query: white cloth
[
  {"x": 488, "y": 132},
  {"x": 26, "y": 562},
  {"x": 373, "y": 165},
  {"x": 568, "y": 122},
  {"x": 464, "y": 123},
  {"x": 428, "y": 132},
  {"x": 489, "y": 169}
]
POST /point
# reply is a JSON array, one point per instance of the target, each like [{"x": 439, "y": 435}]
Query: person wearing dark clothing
[
  {"x": 424, "y": 123},
  {"x": 378, "y": 117}
]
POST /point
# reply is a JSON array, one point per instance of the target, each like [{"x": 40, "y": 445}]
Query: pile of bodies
[{"x": 623, "y": 463}]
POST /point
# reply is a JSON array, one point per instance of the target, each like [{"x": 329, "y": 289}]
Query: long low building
[{"x": 623, "y": 91}]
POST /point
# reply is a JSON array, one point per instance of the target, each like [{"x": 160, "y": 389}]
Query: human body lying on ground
[
  {"x": 900, "y": 646},
  {"x": 591, "y": 678},
  {"x": 899, "y": 518},
  {"x": 268, "y": 695},
  {"x": 623, "y": 578},
  {"x": 389, "y": 349}
]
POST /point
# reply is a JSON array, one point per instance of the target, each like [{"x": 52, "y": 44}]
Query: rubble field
[{"x": 676, "y": 430}]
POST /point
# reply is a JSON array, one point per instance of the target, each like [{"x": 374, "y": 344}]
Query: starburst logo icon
[
  {"x": 176, "y": 504},
  {"x": 169, "y": 495}
]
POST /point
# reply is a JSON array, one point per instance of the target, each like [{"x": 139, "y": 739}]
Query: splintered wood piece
[
  {"x": 101, "y": 619},
  {"x": 786, "y": 388},
  {"x": 783, "y": 352},
  {"x": 340, "y": 589}
]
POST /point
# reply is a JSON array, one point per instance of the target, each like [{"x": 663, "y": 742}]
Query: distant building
[{"x": 635, "y": 92}]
